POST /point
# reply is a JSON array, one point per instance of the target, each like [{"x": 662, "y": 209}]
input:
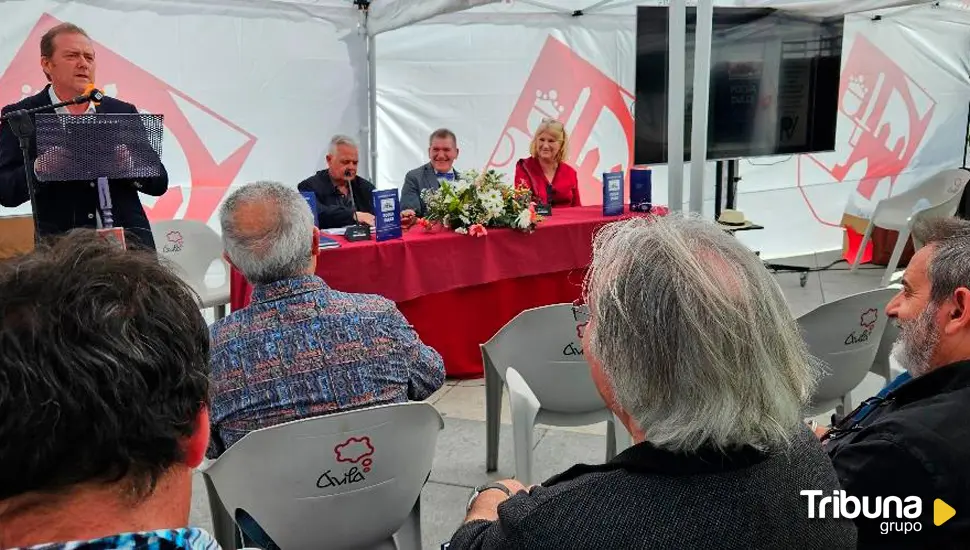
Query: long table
[{"x": 456, "y": 290}]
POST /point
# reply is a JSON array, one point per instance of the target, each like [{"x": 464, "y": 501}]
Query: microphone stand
[
  {"x": 21, "y": 123},
  {"x": 358, "y": 231}
]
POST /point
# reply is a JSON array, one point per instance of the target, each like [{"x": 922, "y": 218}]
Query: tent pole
[
  {"x": 677, "y": 33},
  {"x": 372, "y": 105},
  {"x": 702, "y": 85}
]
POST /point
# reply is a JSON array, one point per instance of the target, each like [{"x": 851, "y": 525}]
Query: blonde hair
[{"x": 557, "y": 130}]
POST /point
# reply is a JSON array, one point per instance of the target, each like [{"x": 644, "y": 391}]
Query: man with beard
[{"x": 914, "y": 440}]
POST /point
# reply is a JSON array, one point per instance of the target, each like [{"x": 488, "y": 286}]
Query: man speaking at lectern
[{"x": 68, "y": 60}]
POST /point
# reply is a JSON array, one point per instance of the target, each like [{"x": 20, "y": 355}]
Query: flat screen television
[{"x": 774, "y": 83}]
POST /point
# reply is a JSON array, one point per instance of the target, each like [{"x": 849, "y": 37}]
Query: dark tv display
[{"x": 774, "y": 83}]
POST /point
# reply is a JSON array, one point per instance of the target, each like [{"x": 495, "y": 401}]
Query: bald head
[{"x": 267, "y": 232}]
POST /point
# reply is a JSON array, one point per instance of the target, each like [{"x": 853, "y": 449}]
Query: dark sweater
[
  {"x": 915, "y": 442},
  {"x": 650, "y": 498}
]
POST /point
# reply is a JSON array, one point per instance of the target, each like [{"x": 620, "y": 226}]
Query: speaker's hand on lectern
[
  {"x": 124, "y": 158},
  {"x": 51, "y": 161}
]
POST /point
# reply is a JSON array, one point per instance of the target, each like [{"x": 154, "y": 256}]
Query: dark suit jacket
[
  {"x": 331, "y": 211},
  {"x": 417, "y": 180},
  {"x": 62, "y": 206}
]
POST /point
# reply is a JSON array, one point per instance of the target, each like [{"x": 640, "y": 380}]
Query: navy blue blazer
[{"x": 62, "y": 206}]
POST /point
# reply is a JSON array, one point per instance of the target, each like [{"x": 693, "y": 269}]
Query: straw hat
[{"x": 733, "y": 219}]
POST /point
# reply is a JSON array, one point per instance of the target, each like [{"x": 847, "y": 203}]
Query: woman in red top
[{"x": 551, "y": 180}]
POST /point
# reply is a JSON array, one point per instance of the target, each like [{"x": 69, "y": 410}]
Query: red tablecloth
[{"x": 458, "y": 290}]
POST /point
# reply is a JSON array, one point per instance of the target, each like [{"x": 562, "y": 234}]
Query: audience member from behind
[
  {"x": 692, "y": 346},
  {"x": 103, "y": 400},
  {"x": 301, "y": 349},
  {"x": 915, "y": 441}
]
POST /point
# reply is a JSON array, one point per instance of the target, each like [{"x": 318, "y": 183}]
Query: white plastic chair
[
  {"x": 538, "y": 357},
  {"x": 844, "y": 335},
  {"x": 937, "y": 197},
  {"x": 343, "y": 480},
  {"x": 193, "y": 247},
  {"x": 883, "y": 364}
]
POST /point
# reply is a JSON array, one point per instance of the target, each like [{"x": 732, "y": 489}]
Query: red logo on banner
[
  {"x": 589, "y": 103},
  {"x": 121, "y": 78},
  {"x": 887, "y": 114}
]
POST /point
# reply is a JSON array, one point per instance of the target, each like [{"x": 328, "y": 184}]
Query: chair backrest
[
  {"x": 544, "y": 345},
  {"x": 191, "y": 245},
  {"x": 933, "y": 191},
  {"x": 845, "y": 335},
  {"x": 945, "y": 209},
  {"x": 344, "y": 480}
]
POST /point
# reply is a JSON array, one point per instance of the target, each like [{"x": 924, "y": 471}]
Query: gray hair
[
  {"x": 695, "y": 336},
  {"x": 279, "y": 247},
  {"x": 340, "y": 139},
  {"x": 949, "y": 264}
]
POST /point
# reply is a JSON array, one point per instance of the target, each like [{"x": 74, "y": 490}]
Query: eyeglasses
[
  {"x": 551, "y": 121},
  {"x": 850, "y": 424}
]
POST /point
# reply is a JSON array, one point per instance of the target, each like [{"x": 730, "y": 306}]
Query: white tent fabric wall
[
  {"x": 250, "y": 89},
  {"x": 491, "y": 74}
]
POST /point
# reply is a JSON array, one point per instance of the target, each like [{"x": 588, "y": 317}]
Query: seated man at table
[
  {"x": 302, "y": 349},
  {"x": 343, "y": 197},
  {"x": 442, "y": 152}
]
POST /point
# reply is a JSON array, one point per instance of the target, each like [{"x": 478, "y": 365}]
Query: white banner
[
  {"x": 491, "y": 74},
  {"x": 247, "y": 93}
]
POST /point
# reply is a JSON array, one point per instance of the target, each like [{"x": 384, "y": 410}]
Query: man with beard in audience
[{"x": 914, "y": 441}]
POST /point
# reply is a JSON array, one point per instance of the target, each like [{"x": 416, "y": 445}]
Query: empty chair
[
  {"x": 193, "y": 247},
  {"x": 844, "y": 335},
  {"x": 937, "y": 197},
  {"x": 343, "y": 480},
  {"x": 538, "y": 355}
]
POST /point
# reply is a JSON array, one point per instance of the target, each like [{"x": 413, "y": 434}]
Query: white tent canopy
[{"x": 253, "y": 89}]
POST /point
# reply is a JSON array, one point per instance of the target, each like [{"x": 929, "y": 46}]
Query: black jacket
[
  {"x": 651, "y": 498},
  {"x": 331, "y": 210},
  {"x": 915, "y": 442},
  {"x": 62, "y": 206}
]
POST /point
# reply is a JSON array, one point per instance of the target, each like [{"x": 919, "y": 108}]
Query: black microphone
[
  {"x": 350, "y": 191},
  {"x": 358, "y": 231},
  {"x": 90, "y": 94}
]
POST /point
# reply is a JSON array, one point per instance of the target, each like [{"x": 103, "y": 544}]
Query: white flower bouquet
[{"x": 476, "y": 201}]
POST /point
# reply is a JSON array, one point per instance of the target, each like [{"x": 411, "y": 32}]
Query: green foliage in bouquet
[{"x": 475, "y": 201}]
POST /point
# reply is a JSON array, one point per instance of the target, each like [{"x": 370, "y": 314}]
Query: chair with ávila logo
[
  {"x": 338, "y": 481},
  {"x": 844, "y": 335},
  {"x": 193, "y": 247}
]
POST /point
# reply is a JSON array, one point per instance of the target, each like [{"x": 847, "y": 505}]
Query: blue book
[
  {"x": 613, "y": 193},
  {"x": 311, "y": 200},
  {"x": 387, "y": 214},
  {"x": 641, "y": 189}
]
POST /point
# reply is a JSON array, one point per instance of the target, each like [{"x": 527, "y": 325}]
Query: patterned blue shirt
[
  {"x": 168, "y": 539},
  {"x": 301, "y": 349}
]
